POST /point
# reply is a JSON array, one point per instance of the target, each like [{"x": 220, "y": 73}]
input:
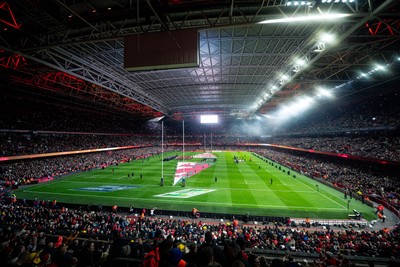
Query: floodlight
[
  {"x": 327, "y": 37},
  {"x": 298, "y": 3},
  {"x": 304, "y": 102},
  {"x": 379, "y": 67},
  {"x": 322, "y": 17},
  {"x": 300, "y": 62},
  {"x": 324, "y": 93},
  {"x": 286, "y": 109},
  {"x": 324, "y": 39},
  {"x": 320, "y": 47}
]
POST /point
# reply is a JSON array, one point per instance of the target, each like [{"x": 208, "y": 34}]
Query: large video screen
[{"x": 208, "y": 118}]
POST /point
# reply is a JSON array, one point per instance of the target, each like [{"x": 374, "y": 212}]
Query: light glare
[
  {"x": 327, "y": 37},
  {"x": 304, "y": 103},
  {"x": 324, "y": 93},
  {"x": 301, "y": 62},
  {"x": 305, "y": 18}
]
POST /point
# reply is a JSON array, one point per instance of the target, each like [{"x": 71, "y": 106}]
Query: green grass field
[{"x": 241, "y": 187}]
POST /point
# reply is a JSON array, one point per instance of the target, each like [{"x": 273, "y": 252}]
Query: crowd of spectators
[
  {"x": 39, "y": 234},
  {"x": 373, "y": 146},
  {"x": 100, "y": 130},
  {"x": 24, "y": 171},
  {"x": 12, "y": 144},
  {"x": 24, "y": 228},
  {"x": 367, "y": 181},
  {"x": 28, "y": 144},
  {"x": 372, "y": 113},
  {"x": 376, "y": 146}
]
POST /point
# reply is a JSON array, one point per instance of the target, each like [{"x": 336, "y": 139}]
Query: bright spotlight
[
  {"x": 324, "y": 93},
  {"x": 297, "y": 3},
  {"x": 324, "y": 39},
  {"x": 327, "y": 37},
  {"x": 300, "y": 62},
  {"x": 320, "y": 47},
  {"x": 304, "y": 103},
  {"x": 321, "y": 17},
  {"x": 287, "y": 110}
]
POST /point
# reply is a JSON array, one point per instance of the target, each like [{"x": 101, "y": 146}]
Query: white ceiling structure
[{"x": 255, "y": 55}]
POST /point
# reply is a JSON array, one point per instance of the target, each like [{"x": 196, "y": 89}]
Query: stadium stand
[
  {"x": 94, "y": 237},
  {"x": 39, "y": 232},
  {"x": 70, "y": 104}
]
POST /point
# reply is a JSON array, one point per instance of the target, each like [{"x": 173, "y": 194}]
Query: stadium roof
[{"x": 253, "y": 54}]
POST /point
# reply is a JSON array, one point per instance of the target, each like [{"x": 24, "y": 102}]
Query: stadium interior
[{"x": 309, "y": 88}]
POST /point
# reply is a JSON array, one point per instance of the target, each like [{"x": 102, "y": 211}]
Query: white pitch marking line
[{"x": 194, "y": 202}]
